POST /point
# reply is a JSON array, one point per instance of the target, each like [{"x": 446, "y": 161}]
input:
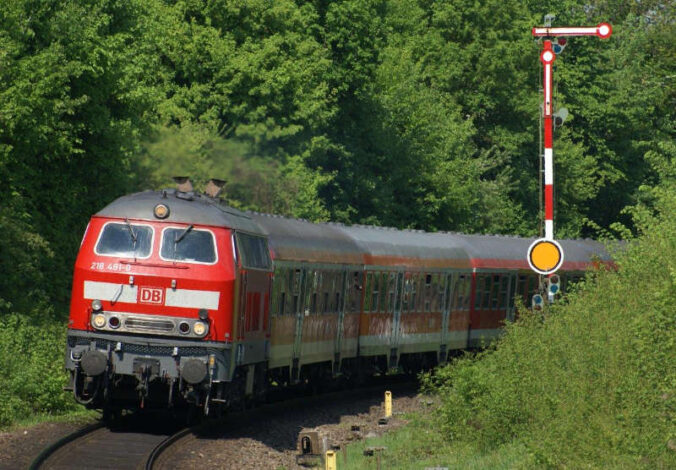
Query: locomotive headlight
[
  {"x": 96, "y": 305},
  {"x": 99, "y": 320},
  {"x": 161, "y": 211},
  {"x": 199, "y": 328}
]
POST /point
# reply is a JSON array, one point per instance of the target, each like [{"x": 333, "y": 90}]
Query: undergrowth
[
  {"x": 32, "y": 369},
  {"x": 591, "y": 381}
]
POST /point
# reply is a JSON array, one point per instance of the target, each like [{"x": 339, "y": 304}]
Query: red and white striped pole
[
  {"x": 545, "y": 255},
  {"x": 547, "y": 57}
]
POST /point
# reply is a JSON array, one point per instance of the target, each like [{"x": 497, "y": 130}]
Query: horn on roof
[
  {"x": 183, "y": 184},
  {"x": 214, "y": 187}
]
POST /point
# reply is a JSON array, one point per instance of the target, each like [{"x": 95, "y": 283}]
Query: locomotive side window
[
  {"x": 189, "y": 245},
  {"x": 253, "y": 251},
  {"x": 125, "y": 240}
]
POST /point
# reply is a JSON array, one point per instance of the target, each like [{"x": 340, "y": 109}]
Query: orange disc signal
[{"x": 545, "y": 256}]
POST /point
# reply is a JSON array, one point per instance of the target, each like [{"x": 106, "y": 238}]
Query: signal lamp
[
  {"x": 538, "y": 302},
  {"x": 96, "y": 305},
  {"x": 99, "y": 321},
  {"x": 554, "y": 284},
  {"x": 114, "y": 322},
  {"x": 559, "y": 45},
  {"x": 184, "y": 327},
  {"x": 560, "y": 117},
  {"x": 161, "y": 211}
]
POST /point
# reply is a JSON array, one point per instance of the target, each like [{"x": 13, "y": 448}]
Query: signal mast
[{"x": 545, "y": 255}]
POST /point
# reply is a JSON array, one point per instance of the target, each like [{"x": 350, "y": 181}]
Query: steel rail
[
  {"x": 164, "y": 445},
  {"x": 106, "y": 446},
  {"x": 54, "y": 446}
]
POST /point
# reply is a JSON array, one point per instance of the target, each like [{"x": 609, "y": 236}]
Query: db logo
[{"x": 151, "y": 295}]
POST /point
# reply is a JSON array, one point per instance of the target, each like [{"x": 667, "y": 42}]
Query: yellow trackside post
[
  {"x": 388, "y": 404},
  {"x": 331, "y": 460}
]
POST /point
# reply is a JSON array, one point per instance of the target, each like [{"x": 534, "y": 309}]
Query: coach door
[
  {"x": 340, "y": 329},
  {"x": 297, "y": 292},
  {"x": 396, "y": 321},
  {"x": 445, "y": 316}
]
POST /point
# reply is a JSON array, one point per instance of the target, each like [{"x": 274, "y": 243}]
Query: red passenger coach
[{"x": 178, "y": 298}]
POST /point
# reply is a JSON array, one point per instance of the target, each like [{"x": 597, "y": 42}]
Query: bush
[
  {"x": 592, "y": 380},
  {"x": 33, "y": 375}
]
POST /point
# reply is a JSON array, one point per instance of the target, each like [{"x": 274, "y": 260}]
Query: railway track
[
  {"x": 143, "y": 442},
  {"x": 130, "y": 443}
]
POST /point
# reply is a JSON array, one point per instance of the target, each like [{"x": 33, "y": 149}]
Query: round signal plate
[{"x": 545, "y": 256}]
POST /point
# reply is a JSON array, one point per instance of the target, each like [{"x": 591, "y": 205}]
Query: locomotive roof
[{"x": 188, "y": 208}]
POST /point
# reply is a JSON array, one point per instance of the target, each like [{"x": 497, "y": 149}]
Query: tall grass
[
  {"x": 32, "y": 372},
  {"x": 591, "y": 382}
]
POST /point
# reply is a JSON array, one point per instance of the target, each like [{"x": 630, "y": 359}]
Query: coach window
[
  {"x": 278, "y": 288},
  {"x": 462, "y": 289},
  {"x": 406, "y": 291},
  {"x": 479, "y": 291},
  {"x": 411, "y": 293},
  {"x": 336, "y": 287},
  {"x": 326, "y": 289},
  {"x": 480, "y": 287},
  {"x": 375, "y": 291},
  {"x": 522, "y": 287},
  {"x": 368, "y": 286},
  {"x": 441, "y": 292},
  {"x": 495, "y": 292},
  {"x": 329, "y": 289},
  {"x": 125, "y": 240},
  {"x": 355, "y": 289},
  {"x": 504, "y": 290},
  {"x": 427, "y": 295},
  {"x": 311, "y": 292},
  {"x": 188, "y": 244},
  {"x": 391, "y": 289}
]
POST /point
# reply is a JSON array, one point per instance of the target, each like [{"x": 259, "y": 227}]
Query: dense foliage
[{"x": 420, "y": 114}]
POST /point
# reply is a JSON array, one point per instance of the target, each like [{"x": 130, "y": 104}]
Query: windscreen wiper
[
  {"x": 183, "y": 234},
  {"x": 131, "y": 230}
]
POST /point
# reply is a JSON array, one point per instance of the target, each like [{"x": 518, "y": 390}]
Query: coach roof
[{"x": 300, "y": 240}]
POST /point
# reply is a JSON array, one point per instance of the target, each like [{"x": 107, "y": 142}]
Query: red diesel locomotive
[{"x": 179, "y": 298}]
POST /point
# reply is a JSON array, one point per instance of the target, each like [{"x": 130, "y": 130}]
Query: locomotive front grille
[
  {"x": 135, "y": 348},
  {"x": 123, "y": 322},
  {"x": 143, "y": 324}
]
